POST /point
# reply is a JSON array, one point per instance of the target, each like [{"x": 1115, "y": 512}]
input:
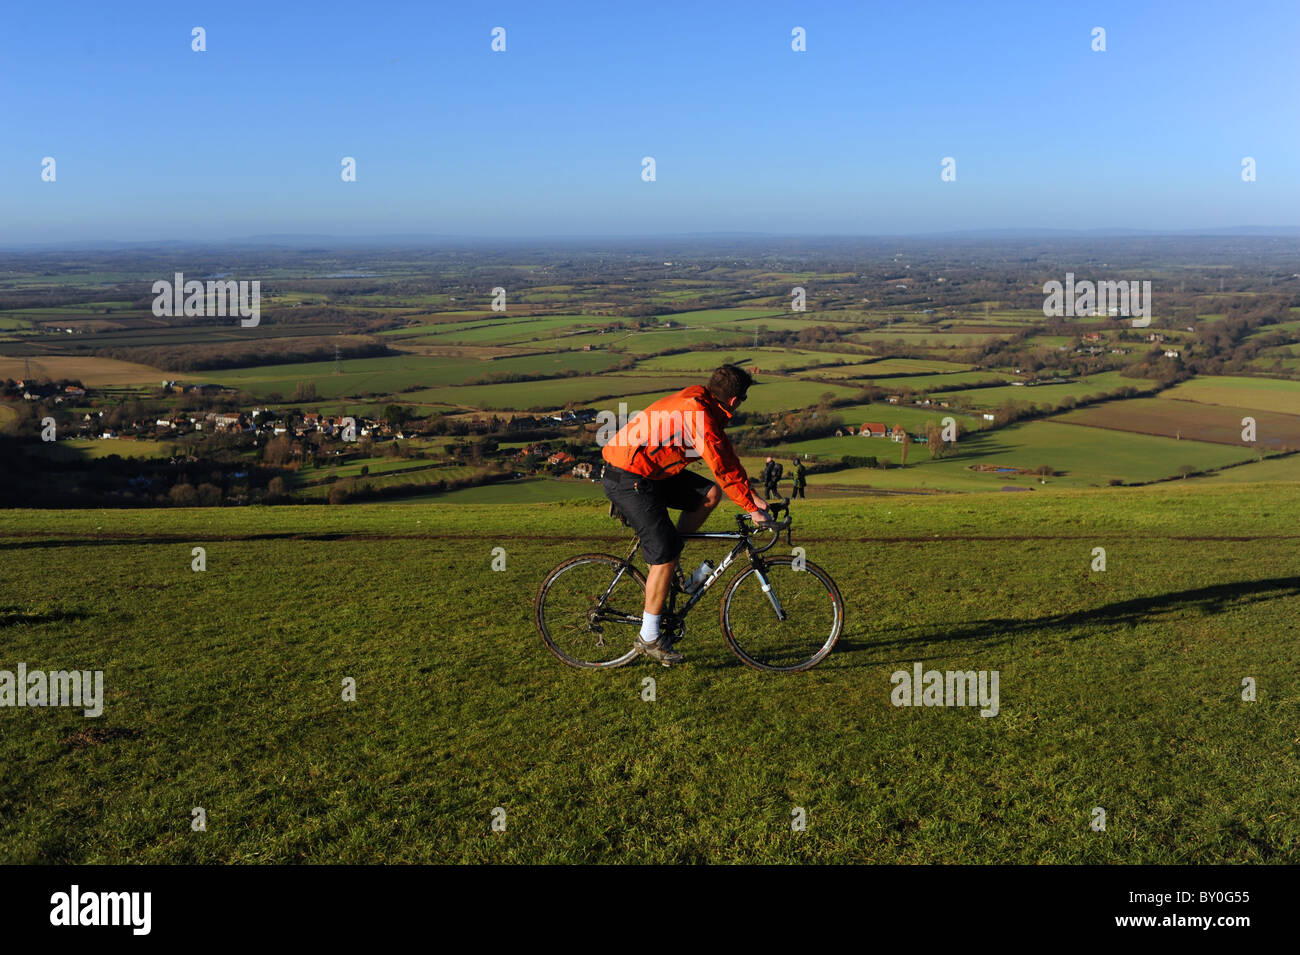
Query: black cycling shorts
[{"x": 645, "y": 504}]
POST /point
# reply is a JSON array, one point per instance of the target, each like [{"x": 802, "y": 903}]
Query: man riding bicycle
[{"x": 646, "y": 474}]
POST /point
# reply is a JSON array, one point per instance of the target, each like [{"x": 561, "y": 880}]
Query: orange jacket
[{"x": 661, "y": 440}]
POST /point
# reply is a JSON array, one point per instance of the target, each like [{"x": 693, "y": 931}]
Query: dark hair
[{"x": 729, "y": 381}]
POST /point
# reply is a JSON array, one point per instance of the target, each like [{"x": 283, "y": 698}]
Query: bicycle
[{"x": 764, "y": 621}]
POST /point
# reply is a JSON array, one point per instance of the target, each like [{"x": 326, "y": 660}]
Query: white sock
[{"x": 649, "y": 627}]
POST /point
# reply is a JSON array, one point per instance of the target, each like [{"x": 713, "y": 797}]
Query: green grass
[
  {"x": 769, "y": 395},
  {"x": 891, "y": 370},
  {"x": 771, "y": 358},
  {"x": 507, "y": 330},
  {"x": 546, "y": 395},
  {"x": 716, "y": 316},
  {"x": 389, "y": 375},
  {"x": 1049, "y": 394},
  {"x": 934, "y": 338},
  {"x": 935, "y": 383},
  {"x": 105, "y": 447},
  {"x": 1264, "y": 393},
  {"x": 1281, "y": 468},
  {"x": 1088, "y": 457},
  {"x": 526, "y": 490},
  {"x": 909, "y": 416},
  {"x": 1119, "y": 689}
]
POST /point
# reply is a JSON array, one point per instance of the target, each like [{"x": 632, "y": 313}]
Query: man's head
[
  {"x": 769, "y": 459},
  {"x": 729, "y": 384}
]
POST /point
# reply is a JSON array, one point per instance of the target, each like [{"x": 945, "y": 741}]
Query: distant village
[
  {"x": 313, "y": 428},
  {"x": 266, "y": 423}
]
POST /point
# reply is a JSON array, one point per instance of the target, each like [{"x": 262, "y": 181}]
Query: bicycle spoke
[
  {"x": 812, "y": 624},
  {"x": 579, "y": 622}
]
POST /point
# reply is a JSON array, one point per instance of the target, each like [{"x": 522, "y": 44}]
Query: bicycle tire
[
  {"x": 761, "y": 654},
  {"x": 571, "y": 632}
]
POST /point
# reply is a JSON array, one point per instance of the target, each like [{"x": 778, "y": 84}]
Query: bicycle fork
[{"x": 760, "y": 571}]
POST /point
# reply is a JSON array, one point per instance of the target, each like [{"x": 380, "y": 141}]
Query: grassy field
[
  {"x": 547, "y": 395},
  {"x": 887, "y": 368},
  {"x": 908, "y": 416},
  {"x": 1119, "y": 689},
  {"x": 1086, "y": 457},
  {"x": 102, "y": 448},
  {"x": 1052, "y": 395},
  {"x": 772, "y": 358},
  {"x": 1263, "y": 393},
  {"x": 1279, "y": 468},
  {"x": 387, "y": 375}
]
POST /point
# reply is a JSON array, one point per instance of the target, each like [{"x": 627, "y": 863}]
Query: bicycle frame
[{"x": 743, "y": 545}]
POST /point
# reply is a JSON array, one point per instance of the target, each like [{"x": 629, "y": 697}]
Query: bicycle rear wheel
[
  {"x": 588, "y": 613},
  {"x": 813, "y": 608}
]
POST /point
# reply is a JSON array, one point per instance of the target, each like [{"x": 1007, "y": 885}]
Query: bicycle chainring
[{"x": 673, "y": 627}]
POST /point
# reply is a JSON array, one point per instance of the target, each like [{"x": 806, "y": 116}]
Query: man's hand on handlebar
[{"x": 760, "y": 516}]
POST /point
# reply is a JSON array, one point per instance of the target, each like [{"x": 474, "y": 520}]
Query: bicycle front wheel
[
  {"x": 588, "y": 611},
  {"x": 808, "y": 600}
]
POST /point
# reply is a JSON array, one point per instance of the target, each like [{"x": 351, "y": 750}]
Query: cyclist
[{"x": 646, "y": 474}]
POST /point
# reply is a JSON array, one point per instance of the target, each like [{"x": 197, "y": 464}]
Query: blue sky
[{"x": 154, "y": 141}]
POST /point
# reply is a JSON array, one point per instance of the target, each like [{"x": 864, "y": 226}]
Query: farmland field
[
  {"x": 936, "y": 383},
  {"x": 1263, "y": 393},
  {"x": 1052, "y": 394},
  {"x": 545, "y": 395},
  {"x": 907, "y": 415},
  {"x": 768, "y": 395},
  {"x": 1277, "y": 468},
  {"x": 933, "y": 338},
  {"x": 888, "y": 367},
  {"x": 387, "y": 375},
  {"x": 90, "y": 370},
  {"x": 773, "y": 358},
  {"x": 102, "y": 448},
  {"x": 1087, "y": 457},
  {"x": 1188, "y": 420}
]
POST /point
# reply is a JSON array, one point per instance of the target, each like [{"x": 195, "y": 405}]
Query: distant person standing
[
  {"x": 800, "y": 478},
  {"x": 771, "y": 474}
]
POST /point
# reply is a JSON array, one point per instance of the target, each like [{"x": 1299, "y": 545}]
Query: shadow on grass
[
  {"x": 137, "y": 540},
  {"x": 999, "y": 630},
  {"x": 14, "y": 614}
]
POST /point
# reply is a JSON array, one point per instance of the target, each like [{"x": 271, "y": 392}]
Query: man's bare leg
[
  {"x": 691, "y": 521},
  {"x": 660, "y": 576},
  {"x": 657, "y": 582}
]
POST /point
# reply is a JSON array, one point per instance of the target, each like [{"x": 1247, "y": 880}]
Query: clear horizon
[{"x": 154, "y": 142}]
